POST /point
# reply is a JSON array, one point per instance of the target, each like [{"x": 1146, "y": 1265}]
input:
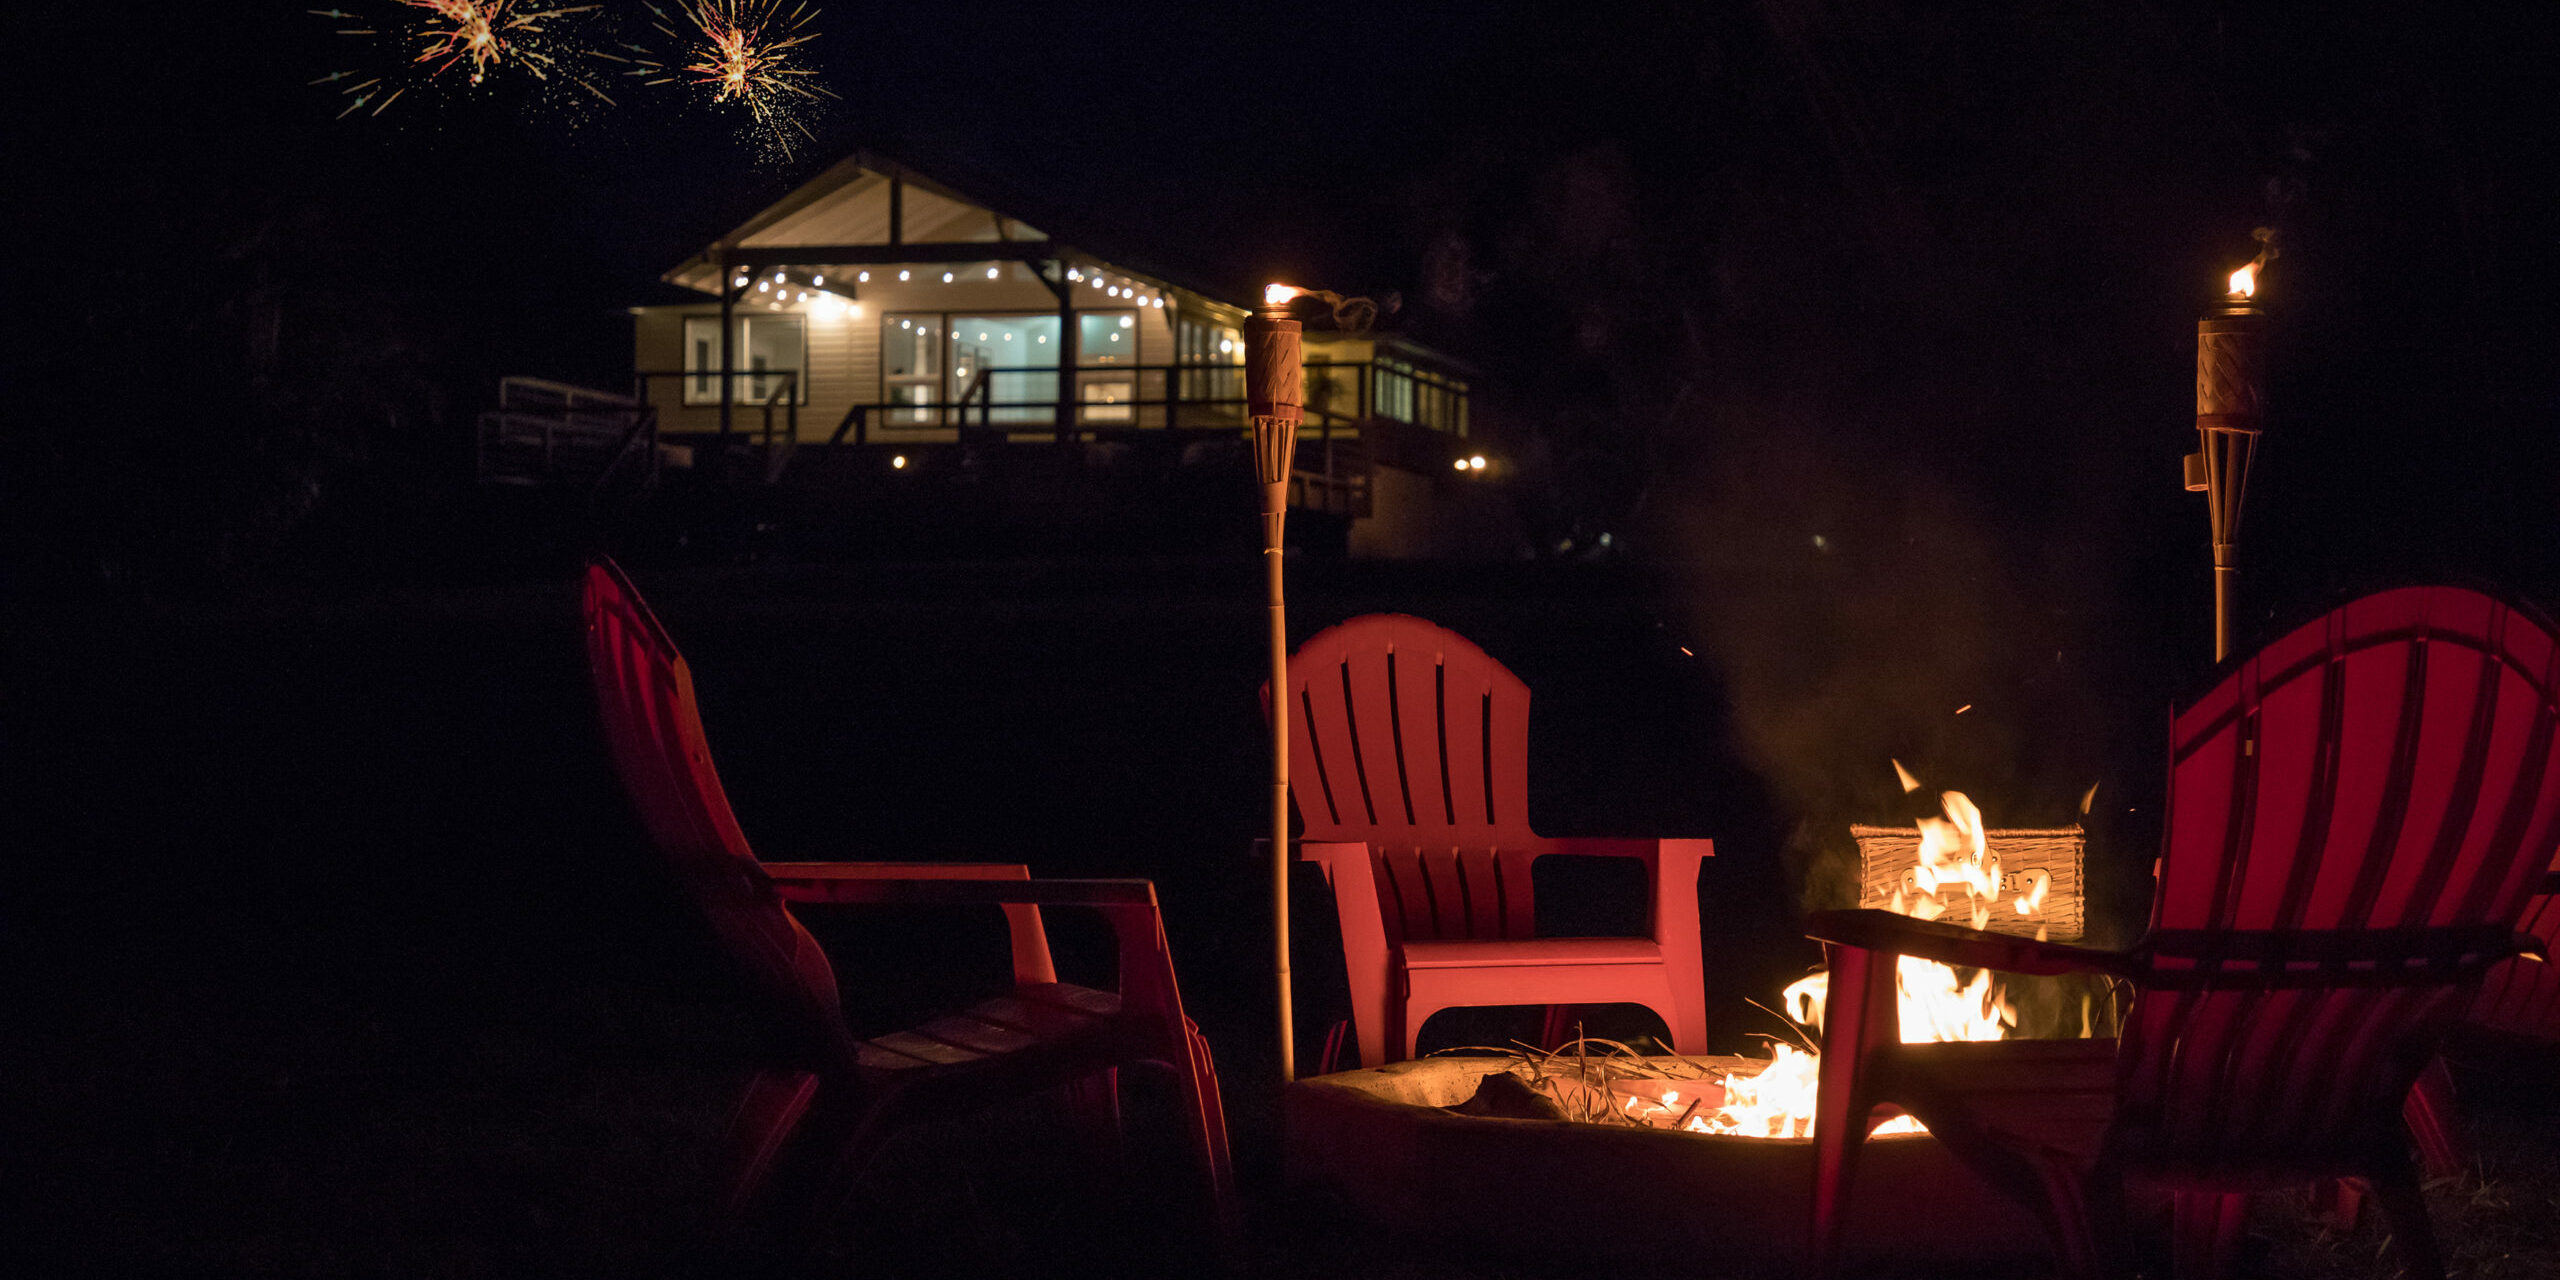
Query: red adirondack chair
[
  {"x": 2356, "y": 818},
  {"x": 1408, "y": 759},
  {"x": 844, "y": 1095}
]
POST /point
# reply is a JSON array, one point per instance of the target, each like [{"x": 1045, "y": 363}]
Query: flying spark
[
  {"x": 745, "y": 52},
  {"x": 473, "y": 39}
]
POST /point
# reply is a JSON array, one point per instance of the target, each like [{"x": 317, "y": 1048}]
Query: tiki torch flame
[
  {"x": 1276, "y": 294},
  {"x": 2244, "y": 282}
]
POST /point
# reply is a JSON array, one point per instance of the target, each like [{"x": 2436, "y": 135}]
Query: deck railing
[{"x": 545, "y": 432}]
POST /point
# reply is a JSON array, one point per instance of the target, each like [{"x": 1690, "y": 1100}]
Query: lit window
[{"x": 767, "y": 346}]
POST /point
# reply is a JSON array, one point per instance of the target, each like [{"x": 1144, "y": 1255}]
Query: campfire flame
[{"x": 1954, "y": 874}]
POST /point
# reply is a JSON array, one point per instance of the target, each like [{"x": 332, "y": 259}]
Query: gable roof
[{"x": 848, "y": 206}]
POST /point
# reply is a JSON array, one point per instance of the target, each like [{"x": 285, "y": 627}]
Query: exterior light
[
  {"x": 1074, "y": 275},
  {"x": 1044, "y": 337},
  {"x": 804, "y": 295},
  {"x": 1159, "y": 302},
  {"x": 899, "y": 462},
  {"x": 902, "y": 275},
  {"x": 1128, "y": 321},
  {"x": 991, "y": 273},
  {"x": 862, "y": 277},
  {"x": 777, "y": 277},
  {"x": 817, "y": 279},
  {"x": 1475, "y": 462},
  {"x": 1462, "y": 464},
  {"x": 739, "y": 283},
  {"x": 764, "y": 286}
]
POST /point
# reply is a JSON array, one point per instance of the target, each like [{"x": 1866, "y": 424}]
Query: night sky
[
  {"x": 1697, "y": 242},
  {"x": 1868, "y": 329}
]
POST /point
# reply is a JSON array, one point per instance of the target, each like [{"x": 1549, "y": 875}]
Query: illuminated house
[{"x": 875, "y": 333}]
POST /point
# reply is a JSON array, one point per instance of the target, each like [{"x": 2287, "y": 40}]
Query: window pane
[
  {"x": 1108, "y": 400},
  {"x": 1016, "y": 358},
  {"x": 776, "y": 344},
  {"x": 1210, "y": 354},
  {"x": 911, "y": 366},
  {"x": 702, "y": 359},
  {"x": 1107, "y": 337}
]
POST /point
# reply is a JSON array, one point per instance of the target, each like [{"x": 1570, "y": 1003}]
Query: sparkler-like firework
[
  {"x": 470, "y": 40},
  {"x": 744, "y": 52}
]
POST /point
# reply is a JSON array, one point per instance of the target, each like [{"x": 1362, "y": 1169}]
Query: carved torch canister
[{"x": 2230, "y": 404}]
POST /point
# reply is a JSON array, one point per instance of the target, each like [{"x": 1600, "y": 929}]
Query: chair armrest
[
  {"x": 923, "y": 889},
  {"x": 818, "y": 882},
  {"x": 1887, "y": 931},
  {"x": 1647, "y": 848},
  {"x": 785, "y": 873},
  {"x": 1147, "y": 986}
]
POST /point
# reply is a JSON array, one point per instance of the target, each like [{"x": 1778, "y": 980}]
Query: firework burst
[
  {"x": 746, "y": 53},
  {"x": 442, "y": 41}
]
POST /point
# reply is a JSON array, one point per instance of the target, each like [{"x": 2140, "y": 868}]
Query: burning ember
[{"x": 1955, "y": 874}]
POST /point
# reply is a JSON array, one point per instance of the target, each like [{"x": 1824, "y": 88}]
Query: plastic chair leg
[
  {"x": 1558, "y": 1030},
  {"x": 1859, "y": 1019},
  {"x": 2413, "y": 1233},
  {"x": 2435, "y": 1122},
  {"x": 2205, "y": 1228}
]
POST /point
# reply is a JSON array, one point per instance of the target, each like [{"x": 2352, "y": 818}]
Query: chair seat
[
  {"x": 1530, "y": 953},
  {"x": 2053, "y": 1096},
  {"x": 1034, "y": 1016}
]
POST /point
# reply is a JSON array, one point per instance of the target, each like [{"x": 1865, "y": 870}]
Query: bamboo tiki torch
[
  {"x": 1275, "y": 391},
  {"x": 2230, "y": 399}
]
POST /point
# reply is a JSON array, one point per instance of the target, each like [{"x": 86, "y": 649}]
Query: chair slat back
[
  {"x": 1407, "y": 736},
  {"x": 2351, "y": 813},
  {"x": 644, "y": 696}
]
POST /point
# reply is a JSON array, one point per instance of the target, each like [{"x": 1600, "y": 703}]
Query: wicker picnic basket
[{"x": 1886, "y": 856}]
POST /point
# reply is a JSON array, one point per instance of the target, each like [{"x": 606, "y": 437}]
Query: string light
[
  {"x": 902, "y": 276},
  {"x": 863, "y": 277},
  {"x": 991, "y": 273},
  {"x": 946, "y": 277},
  {"x": 817, "y": 279}
]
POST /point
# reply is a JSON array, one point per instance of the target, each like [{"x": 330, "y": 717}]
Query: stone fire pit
[{"x": 1380, "y": 1142}]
